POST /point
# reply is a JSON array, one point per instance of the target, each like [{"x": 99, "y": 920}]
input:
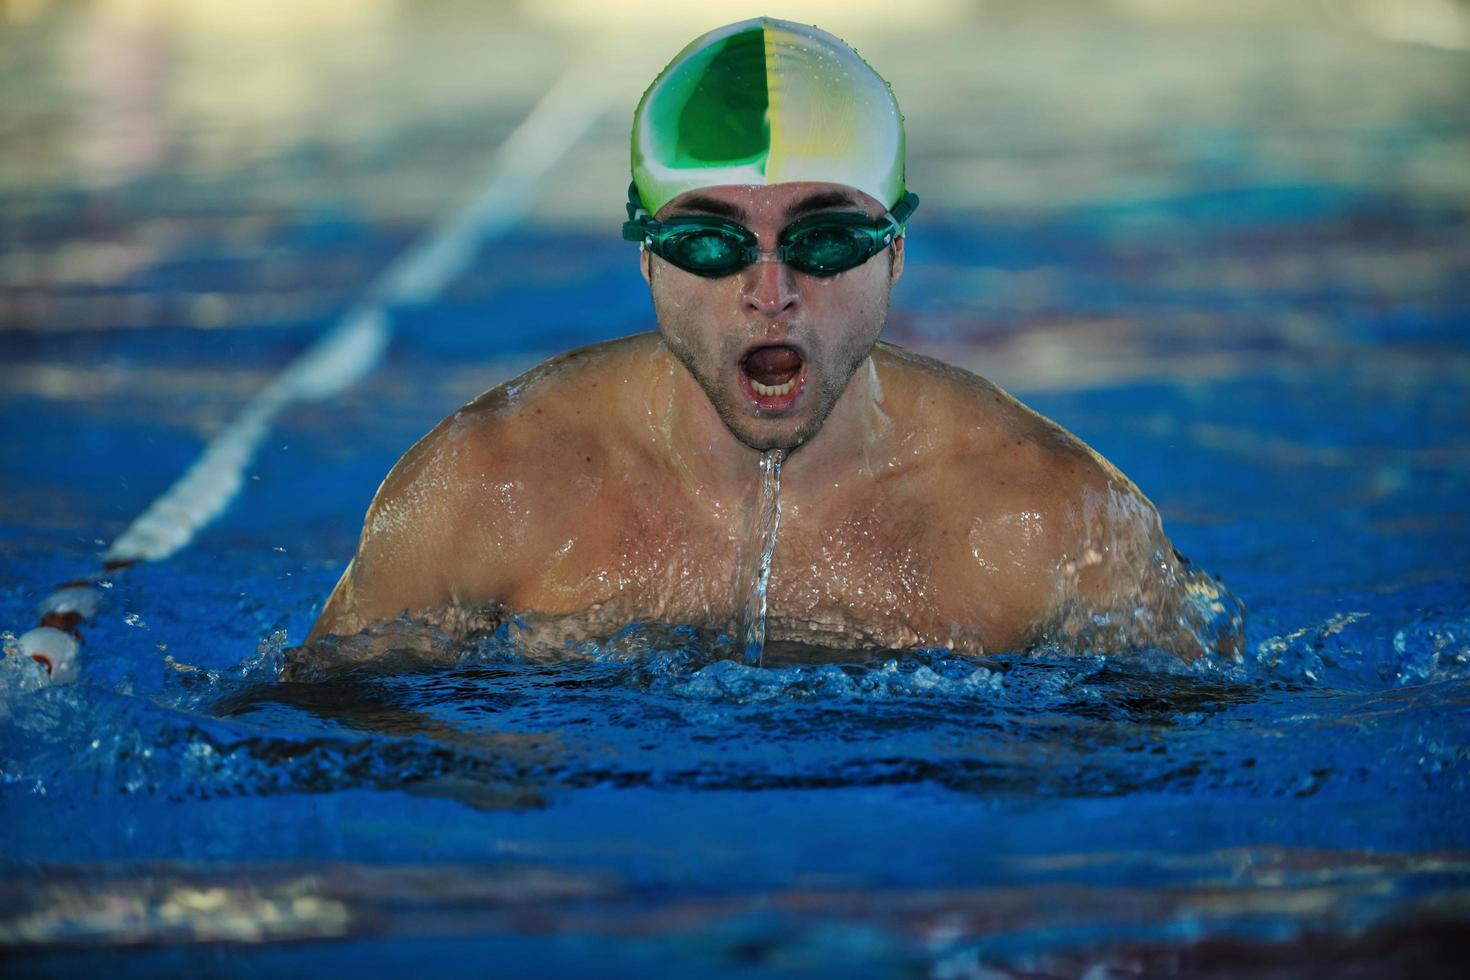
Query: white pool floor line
[{"x": 350, "y": 349}]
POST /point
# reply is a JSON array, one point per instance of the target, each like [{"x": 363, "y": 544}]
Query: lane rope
[{"x": 345, "y": 354}]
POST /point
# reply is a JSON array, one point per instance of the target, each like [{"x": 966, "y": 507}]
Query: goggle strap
[
  {"x": 636, "y": 228},
  {"x": 904, "y": 208}
]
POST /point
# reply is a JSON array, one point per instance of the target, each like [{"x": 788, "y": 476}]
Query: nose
[{"x": 770, "y": 288}]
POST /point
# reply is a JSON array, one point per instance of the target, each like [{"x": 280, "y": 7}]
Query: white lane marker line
[
  {"x": 346, "y": 352},
  {"x": 353, "y": 347}
]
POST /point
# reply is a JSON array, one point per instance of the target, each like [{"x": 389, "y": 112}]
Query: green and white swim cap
[{"x": 766, "y": 101}]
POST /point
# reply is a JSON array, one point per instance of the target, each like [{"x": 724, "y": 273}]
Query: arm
[
  {"x": 424, "y": 542},
  {"x": 1120, "y": 584}
]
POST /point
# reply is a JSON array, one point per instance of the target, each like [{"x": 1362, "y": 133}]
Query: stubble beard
[{"x": 737, "y": 418}]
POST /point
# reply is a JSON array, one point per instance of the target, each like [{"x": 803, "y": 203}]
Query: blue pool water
[{"x": 1275, "y": 352}]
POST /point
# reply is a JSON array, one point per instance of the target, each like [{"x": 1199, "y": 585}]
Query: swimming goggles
[{"x": 821, "y": 244}]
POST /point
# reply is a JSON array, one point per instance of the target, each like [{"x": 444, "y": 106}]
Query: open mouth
[{"x": 772, "y": 376}]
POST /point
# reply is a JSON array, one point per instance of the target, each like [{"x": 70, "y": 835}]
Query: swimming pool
[{"x": 1258, "y": 312}]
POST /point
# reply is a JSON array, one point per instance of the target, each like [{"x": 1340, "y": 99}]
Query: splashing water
[{"x": 758, "y": 579}]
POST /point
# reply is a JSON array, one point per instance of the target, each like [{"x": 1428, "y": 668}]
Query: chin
[
  {"x": 765, "y": 434},
  {"x": 762, "y": 438},
  {"x": 764, "y": 444}
]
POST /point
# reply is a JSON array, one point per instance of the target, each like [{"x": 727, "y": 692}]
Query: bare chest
[{"x": 876, "y": 577}]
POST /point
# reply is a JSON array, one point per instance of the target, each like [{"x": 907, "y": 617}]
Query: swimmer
[{"x": 922, "y": 506}]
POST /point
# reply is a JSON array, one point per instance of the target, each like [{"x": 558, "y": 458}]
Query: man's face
[{"x": 773, "y": 348}]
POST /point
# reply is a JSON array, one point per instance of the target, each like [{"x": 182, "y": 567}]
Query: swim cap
[{"x": 766, "y": 101}]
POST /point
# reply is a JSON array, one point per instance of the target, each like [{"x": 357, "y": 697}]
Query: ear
[
  {"x": 645, "y": 265},
  {"x": 896, "y": 269}
]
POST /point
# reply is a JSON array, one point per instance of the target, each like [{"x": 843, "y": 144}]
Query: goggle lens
[
  {"x": 705, "y": 251},
  {"x": 827, "y": 249}
]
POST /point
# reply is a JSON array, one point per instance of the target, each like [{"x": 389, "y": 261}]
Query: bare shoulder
[
  {"x": 1026, "y": 512},
  {"x": 464, "y": 508},
  {"x": 973, "y": 433},
  {"x": 498, "y": 445},
  {"x": 1060, "y": 545}
]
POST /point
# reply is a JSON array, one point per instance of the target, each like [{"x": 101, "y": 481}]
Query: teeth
[{"x": 772, "y": 391}]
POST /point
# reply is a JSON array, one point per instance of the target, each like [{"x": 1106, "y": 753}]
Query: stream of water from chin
[{"x": 756, "y": 574}]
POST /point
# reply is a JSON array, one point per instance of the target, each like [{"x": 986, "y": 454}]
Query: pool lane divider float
[{"x": 346, "y": 353}]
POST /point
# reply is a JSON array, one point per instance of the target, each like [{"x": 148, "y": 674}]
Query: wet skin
[{"x": 921, "y": 505}]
